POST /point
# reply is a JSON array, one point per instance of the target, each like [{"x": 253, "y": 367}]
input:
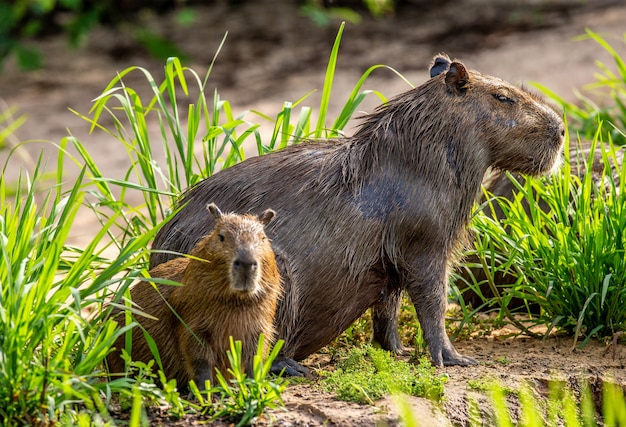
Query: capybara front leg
[
  {"x": 385, "y": 321},
  {"x": 430, "y": 303}
]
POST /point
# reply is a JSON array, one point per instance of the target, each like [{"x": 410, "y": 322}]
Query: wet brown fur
[
  {"x": 362, "y": 218},
  {"x": 208, "y": 302}
]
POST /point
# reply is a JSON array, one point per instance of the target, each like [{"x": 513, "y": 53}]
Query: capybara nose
[
  {"x": 245, "y": 263},
  {"x": 245, "y": 272}
]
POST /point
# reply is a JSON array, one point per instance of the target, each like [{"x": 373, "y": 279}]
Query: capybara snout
[{"x": 245, "y": 271}]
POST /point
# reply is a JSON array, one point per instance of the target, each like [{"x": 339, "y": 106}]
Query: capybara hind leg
[
  {"x": 203, "y": 372},
  {"x": 385, "y": 320},
  {"x": 290, "y": 368}
]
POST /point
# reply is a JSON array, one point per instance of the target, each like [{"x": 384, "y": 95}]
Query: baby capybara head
[
  {"x": 523, "y": 133},
  {"x": 237, "y": 248}
]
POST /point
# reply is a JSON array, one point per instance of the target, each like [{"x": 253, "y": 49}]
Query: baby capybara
[
  {"x": 230, "y": 287},
  {"x": 364, "y": 217}
]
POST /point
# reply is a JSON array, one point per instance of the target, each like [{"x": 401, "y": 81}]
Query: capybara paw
[
  {"x": 393, "y": 347},
  {"x": 403, "y": 351},
  {"x": 386, "y": 337},
  {"x": 446, "y": 355},
  {"x": 291, "y": 368},
  {"x": 458, "y": 360}
]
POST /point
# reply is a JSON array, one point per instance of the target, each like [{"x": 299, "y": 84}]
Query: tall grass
[
  {"x": 562, "y": 243},
  {"x": 53, "y": 333}
]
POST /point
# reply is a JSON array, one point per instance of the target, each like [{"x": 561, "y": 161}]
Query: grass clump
[
  {"x": 562, "y": 243},
  {"x": 54, "y": 333},
  {"x": 244, "y": 398},
  {"x": 366, "y": 374}
]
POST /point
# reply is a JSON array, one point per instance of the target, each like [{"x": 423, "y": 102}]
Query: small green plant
[
  {"x": 244, "y": 397},
  {"x": 152, "y": 385},
  {"x": 487, "y": 384},
  {"x": 504, "y": 360},
  {"x": 366, "y": 374}
]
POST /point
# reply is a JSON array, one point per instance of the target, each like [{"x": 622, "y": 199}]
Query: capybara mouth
[
  {"x": 549, "y": 164},
  {"x": 245, "y": 285}
]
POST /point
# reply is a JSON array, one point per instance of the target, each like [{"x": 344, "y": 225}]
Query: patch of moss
[{"x": 366, "y": 374}]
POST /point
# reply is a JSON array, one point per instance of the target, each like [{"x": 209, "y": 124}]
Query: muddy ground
[{"x": 274, "y": 54}]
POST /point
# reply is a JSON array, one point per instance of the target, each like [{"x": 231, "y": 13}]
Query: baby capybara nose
[{"x": 244, "y": 263}]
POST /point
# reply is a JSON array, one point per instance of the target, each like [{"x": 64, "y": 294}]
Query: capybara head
[
  {"x": 236, "y": 247},
  {"x": 524, "y": 134}
]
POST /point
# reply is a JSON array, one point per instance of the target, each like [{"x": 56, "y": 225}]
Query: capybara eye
[
  {"x": 503, "y": 98},
  {"x": 221, "y": 236}
]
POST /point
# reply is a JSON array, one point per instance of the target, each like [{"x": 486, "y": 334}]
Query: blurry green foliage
[
  {"x": 322, "y": 12},
  {"x": 23, "y": 20}
]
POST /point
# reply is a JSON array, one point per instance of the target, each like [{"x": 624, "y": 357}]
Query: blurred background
[{"x": 60, "y": 54}]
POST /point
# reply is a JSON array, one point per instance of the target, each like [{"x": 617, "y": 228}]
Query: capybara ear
[
  {"x": 441, "y": 63},
  {"x": 457, "y": 78},
  {"x": 267, "y": 216},
  {"x": 215, "y": 211}
]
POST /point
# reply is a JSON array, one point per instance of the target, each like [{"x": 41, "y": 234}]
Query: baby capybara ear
[
  {"x": 215, "y": 211},
  {"x": 267, "y": 216},
  {"x": 457, "y": 78},
  {"x": 441, "y": 63}
]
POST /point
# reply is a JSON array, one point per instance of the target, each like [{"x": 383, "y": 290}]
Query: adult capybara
[
  {"x": 230, "y": 287},
  {"x": 364, "y": 217}
]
